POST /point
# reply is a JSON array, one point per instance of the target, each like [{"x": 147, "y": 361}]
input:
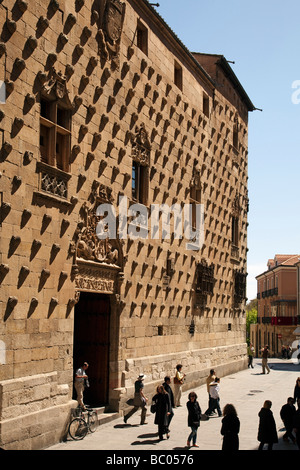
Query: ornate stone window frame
[
  {"x": 204, "y": 283},
  {"x": 140, "y": 154}
]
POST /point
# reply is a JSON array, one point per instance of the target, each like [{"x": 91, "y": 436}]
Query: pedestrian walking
[
  {"x": 287, "y": 414},
  {"x": 168, "y": 389},
  {"x": 250, "y": 351},
  {"x": 80, "y": 383},
  {"x": 267, "y": 433},
  {"x": 139, "y": 400},
  {"x": 209, "y": 380},
  {"x": 215, "y": 397},
  {"x": 265, "y": 356},
  {"x": 162, "y": 404},
  {"x": 296, "y": 424},
  {"x": 194, "y": 417},
  {"x": 178, "y": 381},
  {"x": 230, "y": 428},
  {"x": 297, "y": 390}
]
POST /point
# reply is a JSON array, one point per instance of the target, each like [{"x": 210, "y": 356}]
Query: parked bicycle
[{"x": 83, "y": 423}]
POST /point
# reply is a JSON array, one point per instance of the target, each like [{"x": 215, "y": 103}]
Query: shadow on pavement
[
  {"x": 281, "y": 364},
  {"x": 124, "y": 426}
]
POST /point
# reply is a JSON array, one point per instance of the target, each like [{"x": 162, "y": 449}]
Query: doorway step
[{"x": 104, "y": 416}]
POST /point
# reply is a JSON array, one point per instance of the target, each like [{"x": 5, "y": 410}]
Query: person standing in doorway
[
  {"x": 265, "y": 356},
  {"x": 178, "y": 381},
  {"x": 139, "y": 400},
  {"x": 81, "y": 381}
]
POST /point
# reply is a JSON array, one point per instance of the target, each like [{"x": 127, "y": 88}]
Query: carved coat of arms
[
  {"x": 111, "y": 29},
  {"x": 89, "y": 246},
  {"x": 113, "y": 19},
  {"x": 56, "y": 87}
]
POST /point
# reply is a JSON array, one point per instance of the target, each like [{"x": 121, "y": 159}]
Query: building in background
[
  {"x": 102, "y": 101},
  {"x": 277, "y": 313}
]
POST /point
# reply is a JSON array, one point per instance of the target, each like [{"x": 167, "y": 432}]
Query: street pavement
[{"x": 246, "y": 390}]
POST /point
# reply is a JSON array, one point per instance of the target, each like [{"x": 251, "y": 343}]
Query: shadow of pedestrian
[
  {"x": 126, "y": 425},
  {"x": 155, "y": 434},
  {"x": 147, "y": 439}
]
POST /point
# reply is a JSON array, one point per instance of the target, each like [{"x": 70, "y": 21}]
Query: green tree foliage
[{"x": 251, "y": 315}]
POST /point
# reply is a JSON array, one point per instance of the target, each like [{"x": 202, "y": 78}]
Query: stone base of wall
[
  {"x": 34, "y": 412},
  {"x": 196, "y": 365}
]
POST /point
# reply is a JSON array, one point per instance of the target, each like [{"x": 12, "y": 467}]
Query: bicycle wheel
[
  {"x": 93, "y": 421},
  {"x": 78, "y": 429}
]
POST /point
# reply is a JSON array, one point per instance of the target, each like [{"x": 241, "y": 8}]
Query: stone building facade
[
  {"x": 277, "y": 315},
  {"x": 104, "y": 103}
]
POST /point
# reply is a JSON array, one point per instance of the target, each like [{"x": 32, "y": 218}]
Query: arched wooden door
[{"x": 91, "y": 344}]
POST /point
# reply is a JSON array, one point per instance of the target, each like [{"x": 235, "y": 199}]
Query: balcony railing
[
  {"x": 268, "y": 293},
  {"x": 281, "y": 321},
  {"x": 284, "y": 321}
]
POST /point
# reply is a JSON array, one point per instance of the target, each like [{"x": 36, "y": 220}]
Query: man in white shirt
[
  {"x": 80, "y": 379},
  {"x": 214, "y": 391}
]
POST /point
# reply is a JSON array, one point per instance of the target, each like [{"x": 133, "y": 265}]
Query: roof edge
[{"x": 227, "y": 69}]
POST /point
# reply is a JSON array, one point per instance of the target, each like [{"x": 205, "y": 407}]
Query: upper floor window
[
  {"x": 139, "y": 183},
  {"x": 140, "y": 165},
  {"x": 55, "y": 134},
  {"x": 178, "y": 75},
  {"x": 195, "y": 199},
  {"x": 235, "y": 230},
  {"x": 205, "y": 105},
  {"x": 55, "y": 123},
  {"x": 236, "y": 134},
  {"x": 142, "y": 37}
]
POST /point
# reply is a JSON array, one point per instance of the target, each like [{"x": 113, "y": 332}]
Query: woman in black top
[
  {"x": 162, "y": 411},
  {"x": 267, "y": 433},
  {"x": 194, "y": 415},
  {"x": 230, "y": 428}
]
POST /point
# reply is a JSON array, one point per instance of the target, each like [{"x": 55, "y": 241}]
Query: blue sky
[{"x": 262, "y": 37}]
